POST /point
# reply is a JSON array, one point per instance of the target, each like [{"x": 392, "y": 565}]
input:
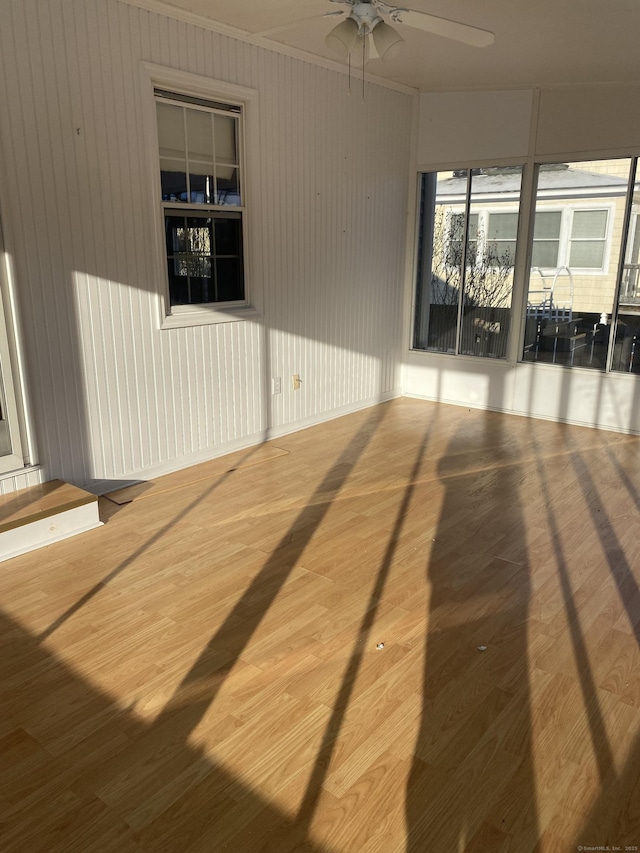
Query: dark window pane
[
  {"x": 230, "y": 284},
  {"x": 626, "y": 347},
  {"x": 178, "y": 283},
  {"x": 228, "y": 236},
  {"x": 228, "y": 186},
  {"x": 202, "y": 289},
  {"x": 201, "y": 189},
  {"x": 174, "y": 186},
  {"x": 200, "y": 238}
]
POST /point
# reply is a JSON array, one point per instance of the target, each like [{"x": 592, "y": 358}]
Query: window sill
[{"x": 202, "y": 316}]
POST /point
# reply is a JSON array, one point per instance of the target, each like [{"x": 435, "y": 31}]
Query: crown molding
[{"x": 167, "y": 10}]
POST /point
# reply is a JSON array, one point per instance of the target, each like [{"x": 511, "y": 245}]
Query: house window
[
  {"x": 202, "y": 199},
  {"x": 588, "y": 239}
]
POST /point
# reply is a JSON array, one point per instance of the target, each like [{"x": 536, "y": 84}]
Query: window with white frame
[
  {"x": 588, "y": 239},
  {"x": 571, "y": 237},
  {"x": 575, "y": 238},
  {"x": 201, "y": 181}
]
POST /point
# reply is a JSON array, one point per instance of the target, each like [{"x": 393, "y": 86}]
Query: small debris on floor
[
  {"x": 380, "y": 646},
  {"x": 482, "y": 648}
]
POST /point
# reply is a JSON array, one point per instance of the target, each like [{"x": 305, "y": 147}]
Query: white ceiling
[{"x": 537, "y": 42}]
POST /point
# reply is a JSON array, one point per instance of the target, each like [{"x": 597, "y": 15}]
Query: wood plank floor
[{"x": 410, "y": 630}]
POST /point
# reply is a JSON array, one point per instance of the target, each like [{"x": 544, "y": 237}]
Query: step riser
[{"x": 45, "y": 531}]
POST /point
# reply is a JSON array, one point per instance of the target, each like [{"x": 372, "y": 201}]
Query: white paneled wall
[{"x": 113, "y": 395}]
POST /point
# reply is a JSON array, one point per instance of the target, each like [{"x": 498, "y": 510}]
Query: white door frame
[{"x": 12, "y": 460}]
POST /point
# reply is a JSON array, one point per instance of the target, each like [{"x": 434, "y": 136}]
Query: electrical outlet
[
  {"x": 277, "y": 384},
  {"x": 296, "y": 381}
]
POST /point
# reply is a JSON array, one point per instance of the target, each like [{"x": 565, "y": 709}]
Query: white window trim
[{"x": 184, "y": 83}]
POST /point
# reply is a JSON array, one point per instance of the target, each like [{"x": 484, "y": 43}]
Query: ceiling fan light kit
[
  {"x": 381, "y": 41},
  {"x": 342, "y": 38},
  {"x": 388, "y": 42}
]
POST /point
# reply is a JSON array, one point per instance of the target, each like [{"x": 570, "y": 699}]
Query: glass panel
[
  {"x": 189, "y": 255},
  {"x": 171, "y": 131},
  {"x": 456, "y": 237},
  {"x": 501, "y": 238},
  {"x": 569, "y": 298},
  {"x": 200, "y": 138},
  {"x": 226, "y": 141},
  {"x": 626, "y": 345},
  {"x": 547, "y": 225},
  {"x": 587, "y": 255},
  {"x": 589, "y": 224},
  {"x": 483, "y": 314},
  {"x": 228, "y": 183},
  {"x": 630, "y": 288},
  {"x": 545, "y": 253},
  {"x": 5, "y": 435},
  {"x": 486, "y": 314},
  {"x": 546, "y": 239},
  {"x": 174, "y": 186},
  {"x": 228, "y": 237},
  {"x": 173, "y": 163},
  {"x": 200, "y": 164},
  {"x": 201, "y": 189},
  {"x": 229, "y": 276},
  {"x": 442, "y": 197}
]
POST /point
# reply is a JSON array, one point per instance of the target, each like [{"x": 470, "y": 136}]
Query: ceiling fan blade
[
  {"x": 339, "y": 13},
  {"x": 442, "y": 27}
]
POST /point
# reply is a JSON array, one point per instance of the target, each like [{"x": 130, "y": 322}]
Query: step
[{"x": 43, "y": 514}]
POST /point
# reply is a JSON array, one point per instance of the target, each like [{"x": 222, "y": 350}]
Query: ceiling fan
[{"x": 364, "y": 26}]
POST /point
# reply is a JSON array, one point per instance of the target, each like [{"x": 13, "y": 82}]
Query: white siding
[{"x": 113, "y": 395}]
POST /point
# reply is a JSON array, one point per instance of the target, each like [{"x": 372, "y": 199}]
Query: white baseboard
[{"x": 101, "y": 487}]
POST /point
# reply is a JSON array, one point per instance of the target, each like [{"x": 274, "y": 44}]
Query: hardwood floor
[{"x": 410, "y": 630}]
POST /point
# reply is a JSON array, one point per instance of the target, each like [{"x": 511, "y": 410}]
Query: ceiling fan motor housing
[{"x": 366, "y": 16}]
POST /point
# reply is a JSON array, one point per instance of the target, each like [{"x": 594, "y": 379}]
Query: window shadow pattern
[{"x": 471, "y": 785}]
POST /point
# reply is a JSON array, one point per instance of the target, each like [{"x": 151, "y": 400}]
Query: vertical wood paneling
[{"x": 113, "y": 394}]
